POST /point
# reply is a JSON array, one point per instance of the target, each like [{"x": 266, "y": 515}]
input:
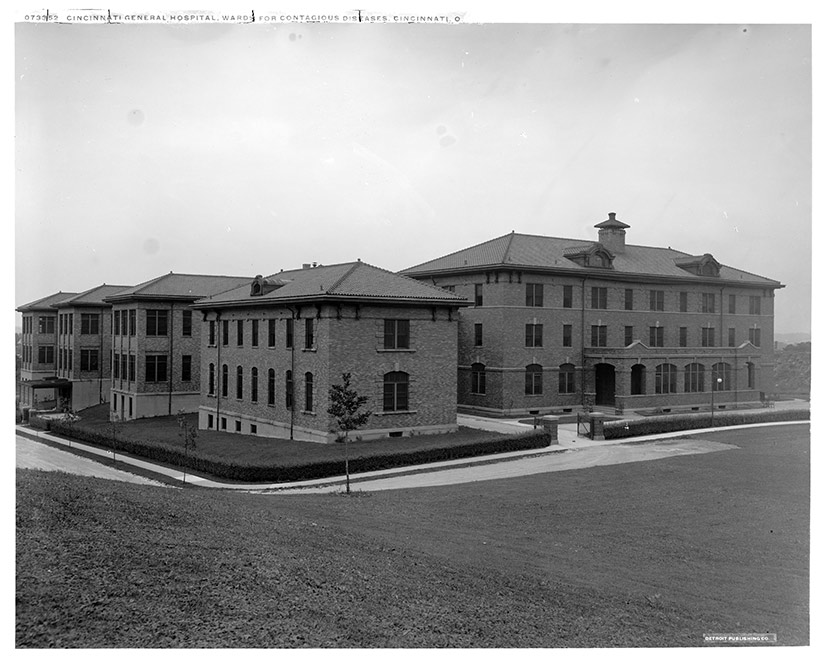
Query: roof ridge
[
  {"x": 483, "y": 243},
  {"x": 345, "y": 275}
]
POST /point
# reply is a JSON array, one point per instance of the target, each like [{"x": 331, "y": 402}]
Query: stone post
[
  {"x": 597, "y": 420},
  {"x": 550, "y": 423}
]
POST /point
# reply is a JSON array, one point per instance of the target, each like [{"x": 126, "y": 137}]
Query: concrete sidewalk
[{"x": 569, "y": 441}]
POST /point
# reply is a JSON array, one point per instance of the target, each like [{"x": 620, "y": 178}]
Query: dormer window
[
  {"x": 262, "y": 286},
  {"x": 593, "y": 255},
  {"x": 700, "y": 265}
]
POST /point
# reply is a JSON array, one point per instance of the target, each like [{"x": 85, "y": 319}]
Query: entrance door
[{"x": 604, "y": 383}]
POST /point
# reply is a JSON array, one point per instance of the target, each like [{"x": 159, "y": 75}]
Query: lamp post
[{"x": 714, "y": 381}]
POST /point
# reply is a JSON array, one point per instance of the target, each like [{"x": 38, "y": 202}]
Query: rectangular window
[
  {"x": 89, "y": 360},
  {"x": 226, "y": 327},
  {"x": 116, "y": 365},
  {"x": 212, "y": 333},
  {"x": 629, "y": 335},
  {"x": 131, "y": 318},
  {"x": 567, "y": 296},
  {"x": 533, "y": 336},
  {"x": 116, "y": 323},
  {"x": 629, "y": 299},
  {"x": 238, "y": 425},
  {"x": 599, "y": 298},
  {"x": 534, "y": 294},
  {"x": 289, "y": 333},
  {"x": 46, "y": 355},
  {"x": 309, "y": 333},
  {"x": 253, "y": 429},
  {"x": 187, "y": 322},
  {"x": 125, "y": 324},
  {"x": 707, "y": 304},
  {"x": 272, "y": 333},
  {"x": 655, "y": 300},
  {"x": 478, "y": 334},
  {"x": 731, "y": 303},
  {"x": 707, "y": 337},
  {"x": 186, "y": 368},
  {"x": 124, "y": 366},
  {"x": 533, "y": 380},
  {"x": 240, "y": 332},
  {"x": 155, "y": 369},
  {"x": 210, "y": 421},
  {"x": 566, "y": 379},
  {"x": 655, "y": 337},
  {"x": 755, "y": 306},
  {"x": 755, "y": 336},
  {"x": 599, "y": 336},
  {"x": 395, "y": 334},
  {"x": 224, "y": 422},
  {"x": 684, "y": 302},
  {"x": 89, "y": 323},
  {"x": 479, "y": 294},
  {"x": 131, "y": 368},
  {"x": 156, "y": 322},
  {"x": 567, "y": 336},
  {"x": 254, "y": 333},
  {"x": 309, "y": 392},
  {"x": 731, "y": 337},
  {"x": 46, "y": 324},
  {"x": 682, "y": 337}
]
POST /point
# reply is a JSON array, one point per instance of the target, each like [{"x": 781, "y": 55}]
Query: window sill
[
  {"x": 406, "y": 412},
  {"x": 397, "y": 350},
  {"x": 312, "y": 413},
  {"x": 309, "y": 350}
]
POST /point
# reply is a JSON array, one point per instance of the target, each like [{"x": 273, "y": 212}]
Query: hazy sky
[{"x": 241, "y": 150}]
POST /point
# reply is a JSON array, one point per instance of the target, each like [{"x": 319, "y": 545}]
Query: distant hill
[{"x": 792, "y": 371}]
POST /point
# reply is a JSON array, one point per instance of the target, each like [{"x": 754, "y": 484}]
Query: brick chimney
[{"x": 612, "y": 234}]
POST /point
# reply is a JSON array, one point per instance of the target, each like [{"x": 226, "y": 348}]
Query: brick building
[
  {"x": 39, "y": 385},
  {"x": 272, "y": 349},
  {"x": 84, "y": 346},
  {"x": 562, "y": 323},
  {"x": 156, "y": 344}
]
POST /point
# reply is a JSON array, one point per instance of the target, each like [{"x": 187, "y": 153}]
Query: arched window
[
  {"x": 665, "y": 379},
  {"x": 750, "y": 375},
  {"x": 533, "y": 379},
  {"x": 289, "y": 388},
  {"x": 224, "y": 380},
  {"x": 272, "y": 390},
  {"x": 721, "y": 373},
  {"x": 566, "y": 379},
  {"x": 254, "y": 383},
  {"x": 309, "y": 391},
  {"x": 239, "y": 377},
  {"x": 694, "y": 378},
  {"x": 638, "y": 379},
  {"x": 211, "y": 379},
  {"x": 396, "y": 391},
  {"x": 479, "y": 379}
]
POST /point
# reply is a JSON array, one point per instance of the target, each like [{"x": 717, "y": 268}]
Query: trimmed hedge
[
  {"x": 37, "y": 422},
  {"x": 228, "y": 469},
  {"x": 666, "y": 423}
]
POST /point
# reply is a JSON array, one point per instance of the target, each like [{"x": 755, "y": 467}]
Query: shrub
[
  {"x": 37, "y": 422},
  {"x": 666, "y": 423},
  {"x": 229, "y": 469}
]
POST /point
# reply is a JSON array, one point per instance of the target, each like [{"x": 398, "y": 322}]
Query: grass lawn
[
  {"x": 652, "y": 553},
  {"x": 246, "y": 449}
]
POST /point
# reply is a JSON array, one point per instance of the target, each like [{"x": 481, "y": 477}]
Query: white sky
[{"x": 230, "y": 149}]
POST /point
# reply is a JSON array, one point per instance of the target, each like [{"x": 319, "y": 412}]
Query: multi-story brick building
[
  {"x": 272, "y": 349},
  {"x": 562, "y": 323},
  {"x": 156, "y": 344},
  {"x": 84, "y": 345},
  {"x": 39, "y": 385}
]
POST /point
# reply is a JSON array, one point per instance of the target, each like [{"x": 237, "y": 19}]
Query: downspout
[
  {"x": 217, "y": 376},
  {"x": 721, "y": 316},
  {"x": 101, "y": 358},
  {"x": 582, "y": 340},
  {"x": 293, "y": 379},
  {"x": 170, "y": 375}
]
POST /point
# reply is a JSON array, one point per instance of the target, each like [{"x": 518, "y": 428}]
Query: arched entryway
[{"x": 604, "y": 384}]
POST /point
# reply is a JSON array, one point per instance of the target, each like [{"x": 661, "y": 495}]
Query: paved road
[
  {"x": 32, "y": 455},
  {"x": 598, "y": 455}
]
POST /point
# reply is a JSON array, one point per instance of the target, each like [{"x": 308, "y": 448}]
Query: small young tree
[
  {"x": 188, "y": 432},
  {"x": 344, "y": 407}
]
